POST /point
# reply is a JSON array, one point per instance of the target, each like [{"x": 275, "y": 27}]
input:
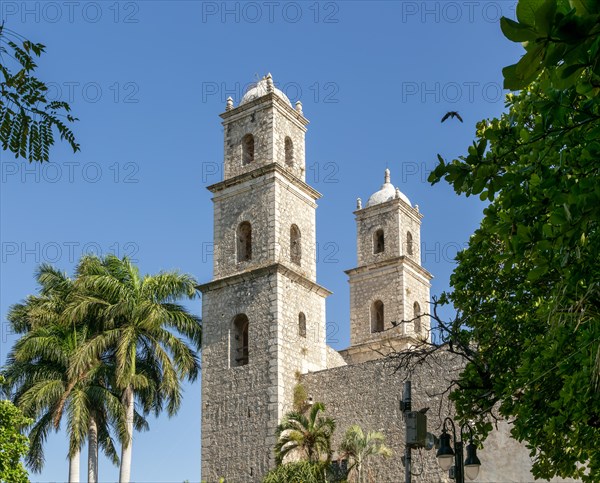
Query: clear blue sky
[{"x": 147, "y": 80}]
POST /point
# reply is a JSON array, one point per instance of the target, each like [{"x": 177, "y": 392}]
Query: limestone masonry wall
[
  {"x": 285, "y": 125},
  {"x": 239, "y": 411},
  {"x": 254, "y": 202},
  {"x": 383, "y": 284},
  {"x": 293, "y": 206},
  {"x": 258, "y": 121},
  {"x": 270, "y": 124},
  {"x": 369, "y": 395},
  {"x": 298, "y": 354},
  {"x": 383, "y": 217}
]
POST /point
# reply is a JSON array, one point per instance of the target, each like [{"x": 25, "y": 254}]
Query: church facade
[{"x": 264, "y": 311}]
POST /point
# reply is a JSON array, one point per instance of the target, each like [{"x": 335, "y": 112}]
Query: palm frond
[
  {"x": 310, "y": 435},
  {"x": 37, "y": 437},
  {"x": 169, "y": 287}
]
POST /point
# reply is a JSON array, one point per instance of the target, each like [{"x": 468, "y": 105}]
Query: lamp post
[{"x": 446, "y": 456}]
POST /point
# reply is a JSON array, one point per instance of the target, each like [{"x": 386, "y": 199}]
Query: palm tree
[
  {"x": 310, "y": 435},
  {"x": 140, "y": 323},
  {"x": 358, "y": 448},
  {"x": 38, "y": 365},
  {"x": 37, "y": 312},
  {"x": 46, "y": 389}
]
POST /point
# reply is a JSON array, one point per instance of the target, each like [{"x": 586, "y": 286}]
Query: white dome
[
  {"x": 262, "y": 88},
  {"x": 386, "y": 193}
]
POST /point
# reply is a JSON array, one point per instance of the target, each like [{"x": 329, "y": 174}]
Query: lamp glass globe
[
  {"x": 471, "y": 471},
  {"x": 445, "y": 461}
]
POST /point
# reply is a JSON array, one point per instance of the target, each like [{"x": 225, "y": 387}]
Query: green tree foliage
[
  {"x": 153, "y": 341},
  {"x": 561, "y": 42},
  {"x": 310, "y": 436},
  {"x": 13, "y": 444},
  {"x": 528, "y": 285},
  {"x": 298, "y": 472},
  {"x": 94, "y": 345},
  {"x": 27, "y": 118},
  {"x": 300, "y": 398},
  {"x": 42, "y": 383},
  {"x": 358, "y": 448},
  {"x": 305, "y": 472}
]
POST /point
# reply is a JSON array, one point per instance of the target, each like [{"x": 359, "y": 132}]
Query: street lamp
[{"x": 446, "y": 456}]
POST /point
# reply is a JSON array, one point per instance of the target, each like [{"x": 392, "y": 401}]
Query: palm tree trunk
[
  {"x": 126, "y": 447},
  {"x": 93, "y": 451},
  {"x": 74, "y": 467}
]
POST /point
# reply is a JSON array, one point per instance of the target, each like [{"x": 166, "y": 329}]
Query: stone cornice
[
  {"x": 391, "y": 262},
  {"x": 262, "y": 171},
  {"x": 270, "y": 99},
  {"x": 253, "y": 274},
  {"x": 397, "y": 203}
]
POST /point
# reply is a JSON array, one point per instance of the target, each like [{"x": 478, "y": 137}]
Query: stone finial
[
  {"x": 417, "y": 207},
  {"x": 387, "y": 175},
  {"x": 299, "y": 107},
  {"x": 270, "y": 86},
  {"x": 358, "y": 204},
  {"x": 397, "y": 192},
  {"x": 229, "y": 105}
]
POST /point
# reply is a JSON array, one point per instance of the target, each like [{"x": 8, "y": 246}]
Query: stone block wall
[
  {"x": 334, "y": 358},
  {"x": 289, "y": 123},
  {"x": 271, "y": 204},
  {"x": 270, "y": 120},
  {"x": 297, "y": 354},
  {"x": 240, "y": 407},
  {"x": 410, "y": 221},
  {"x": 243, "y": 405},
  {"x": 396, "y": 218},
  {"x": 398, "y": 284},
  {"x": 369, "y": 395},
  {"x": 416, "y": 289},
  {"x": 293, "y": 205},
  {"x": 256, "y": 119},
  {"x": 385, "y": 284},
  {"x": 252, "y": 201},
  {"x": 368, "y": 221}
]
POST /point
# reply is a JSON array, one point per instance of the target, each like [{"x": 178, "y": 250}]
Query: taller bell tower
[{"x": 263, "y": 313}]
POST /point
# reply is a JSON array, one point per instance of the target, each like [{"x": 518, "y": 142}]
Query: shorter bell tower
[{"x": 389, "y": 289}]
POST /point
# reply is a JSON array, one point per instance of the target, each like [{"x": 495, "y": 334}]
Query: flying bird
[{"x": 452, "y": 114}]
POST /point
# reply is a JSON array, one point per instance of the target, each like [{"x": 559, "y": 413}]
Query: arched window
[
  {"x": 295, "y": 245},
  {"x": 289, "y": 152},
  {"x": 409, "y": 243},
  {"x": 247, "y": 149},
  {"x": 378, "y": 241},
  {"x": 301, "y": 324},
  {"x": 244, "y": 242},
  {"x": 239, "y": 342},
  {"x": 377, "y": 316},
  {"x": 417, "y": 317}
]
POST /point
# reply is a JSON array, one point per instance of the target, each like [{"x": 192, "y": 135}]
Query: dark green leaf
[
  {"x": 526, "y": 10},
  {"x": 544, "y": 17},
  {"x": 516, "y": 31}
]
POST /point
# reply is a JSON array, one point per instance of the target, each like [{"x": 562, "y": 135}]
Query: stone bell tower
[
  {"x": 263, "y": 313},
  {"x": 389, "y": 289}
]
